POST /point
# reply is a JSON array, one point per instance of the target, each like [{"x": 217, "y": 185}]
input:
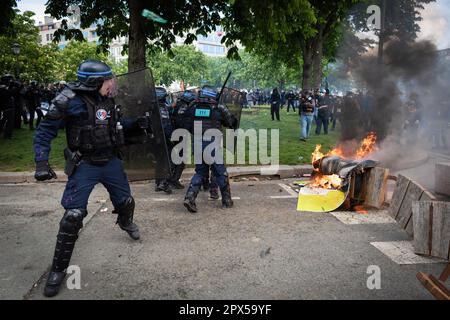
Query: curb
[{"x": 283, "y": 171}]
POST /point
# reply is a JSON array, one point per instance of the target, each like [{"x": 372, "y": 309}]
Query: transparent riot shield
[
  {"x": 234, "y": 100},
  {"x": 145, "y": 154}
]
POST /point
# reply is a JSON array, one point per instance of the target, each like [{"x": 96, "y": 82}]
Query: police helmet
[
  {"x": 208, "y": 92},
  {"x": 92, "y": 73},
  {"x": 188, "y": 96},
  {"x": 161, "y": 93}
]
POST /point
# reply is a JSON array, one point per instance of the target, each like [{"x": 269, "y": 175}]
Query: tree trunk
[
  {"x": 307, "y": 68},
  {"x": 136, "y": 37},
  {"x": 317, "y": 63}
]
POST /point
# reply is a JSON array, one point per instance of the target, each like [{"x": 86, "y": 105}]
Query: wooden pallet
[
  {"x": 435, "y": 286},
  {"x": 406, "y": 192}
]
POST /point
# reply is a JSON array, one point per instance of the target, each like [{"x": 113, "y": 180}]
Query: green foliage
[
  {"x": 34, "y": 61},
  {"x": 184, "y": 18},
  {"x": 7, "y": 14},
  {"x": 184, "y": 63},
  {"x": 402, "y": 17},
  {"x": 71, "y": 56}
]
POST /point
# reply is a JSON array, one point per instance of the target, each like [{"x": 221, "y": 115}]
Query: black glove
[{"x": 44, "y": 172}]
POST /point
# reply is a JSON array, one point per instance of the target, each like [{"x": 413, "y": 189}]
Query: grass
[
  {"x": 292, "y": 150},
  {"x": 17, "y": 154}
]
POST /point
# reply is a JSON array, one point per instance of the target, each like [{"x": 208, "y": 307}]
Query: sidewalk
[{"x": 283, "y": 171}]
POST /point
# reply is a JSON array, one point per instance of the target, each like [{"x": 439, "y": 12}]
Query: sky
[{"x": 435, "y": 25}]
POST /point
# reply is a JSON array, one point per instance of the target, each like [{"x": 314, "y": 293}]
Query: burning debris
[
  {"x": 339, "y": 176},
  {"x": 331, "y": 169}
]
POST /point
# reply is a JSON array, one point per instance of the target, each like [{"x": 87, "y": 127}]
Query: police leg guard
[
  {"x": 214, "y": 193},
  {"x": 227, "y": 202},
  {"x": 189, "y": 199},
  {"x": 125, "y": 214},
  {"x": 175, "y": 178},
  {"x": 70, "y": 225}
]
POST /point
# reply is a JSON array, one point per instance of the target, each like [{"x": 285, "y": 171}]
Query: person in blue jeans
[{"x": 306, "y": 116}]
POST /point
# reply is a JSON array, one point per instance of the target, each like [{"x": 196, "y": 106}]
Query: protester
[
  {"x": 323, "y": 113},
  {"x": 290, "y": 100},
  {"x": 306, "y": 115},
  {"x": 275, "y": 100}
]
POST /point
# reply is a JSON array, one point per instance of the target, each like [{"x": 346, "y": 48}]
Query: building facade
[
  {"x": 48, "y": 28},
  {"x": 210, "y": 45}
]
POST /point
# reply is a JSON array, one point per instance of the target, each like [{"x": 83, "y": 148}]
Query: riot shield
[
  {"x": 145, "y": 155},
  {"x": 234, "y": 100}
]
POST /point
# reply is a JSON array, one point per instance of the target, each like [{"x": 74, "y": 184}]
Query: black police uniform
[
  {"x": 211, "y": 115},
  {"x": 7, "y": 106},
  {"x": 94, "y": 136}
]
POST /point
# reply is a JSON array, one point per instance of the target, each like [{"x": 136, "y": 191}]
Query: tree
[
  {"x": 71, "y": 56},
  {"x": 184, "y": 63},
  {"x": 115, "y": 18},
  {"x": 35, "y": 61},
  {"x": 400, "y": 19},
  {"x": 7, "y": 14},
  {"x": 299, "y": 28}
]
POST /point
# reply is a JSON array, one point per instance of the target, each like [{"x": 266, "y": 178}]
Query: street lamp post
[{"x": 16, "y": 50}]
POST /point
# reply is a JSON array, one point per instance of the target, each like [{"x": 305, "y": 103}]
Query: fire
[
  {"x": 367, "y": 147},
  {"x": 317, "y": 155},
  {"x": 326, "y": 182},
  {"x": 360, "y": 209}
]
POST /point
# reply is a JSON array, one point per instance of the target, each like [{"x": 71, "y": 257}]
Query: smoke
[
  {"x": 404, "y": 100},
  {"x": 406, "y": 68}
]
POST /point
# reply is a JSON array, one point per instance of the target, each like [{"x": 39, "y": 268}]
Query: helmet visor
[{"x": 109, "y": 88}]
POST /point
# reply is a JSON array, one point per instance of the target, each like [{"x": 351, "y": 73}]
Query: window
[{"x": 211, "y": 49}]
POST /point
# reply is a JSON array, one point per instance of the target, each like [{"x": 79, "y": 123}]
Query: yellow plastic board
[{"x": 319, "y": 200}]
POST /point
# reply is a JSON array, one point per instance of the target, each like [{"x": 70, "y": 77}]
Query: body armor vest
[
  {"x": 208, "y": 114},
  {"x": 96, "y": 136}
]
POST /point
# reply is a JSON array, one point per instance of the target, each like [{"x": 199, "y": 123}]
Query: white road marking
[
  {"x": 283, "y": 197},
  {"x": 288, "y": 190},
  {"x": 372, "y": 217},
  {"x": 402, "y": 252}
]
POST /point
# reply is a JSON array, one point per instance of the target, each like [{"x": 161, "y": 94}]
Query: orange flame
[
  {"x": 367, "y": 147},
  {"x": 326, "y": 182}
]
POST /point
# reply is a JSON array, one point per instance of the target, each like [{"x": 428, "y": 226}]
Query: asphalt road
[{"x": 261, "y": 249}]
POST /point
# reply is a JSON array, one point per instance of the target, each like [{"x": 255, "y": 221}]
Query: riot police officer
[
  {"x": 32, "y": 97},
  {"x": 161, "y": 95},
  {"x": 181, "y": 120},
  {"x": 211, "y": 115},
  {"x": 94, "y": 132},
  {"x": 7, "y": 105}
]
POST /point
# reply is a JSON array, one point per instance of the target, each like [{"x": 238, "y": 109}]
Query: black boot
[
  {"x": 174, "y": 180},
  {"x": 163, "y": 185},
  {"x": 227, "y": 202},
  {"x": 125, "y": 219},
  {"x": 214, "y": 193},
  {"x": 189, "y": 199},
  {"x": 70, "y": 225}
]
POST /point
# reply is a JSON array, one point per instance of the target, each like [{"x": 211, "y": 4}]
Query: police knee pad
[
  {"x": 126, "y": 208},
  {"x": 72, "y": 221}
]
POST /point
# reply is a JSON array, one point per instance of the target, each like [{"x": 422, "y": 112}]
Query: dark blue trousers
[
  {"x": 219, "y": 175},
  {"x": 86, "y": 176}
]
